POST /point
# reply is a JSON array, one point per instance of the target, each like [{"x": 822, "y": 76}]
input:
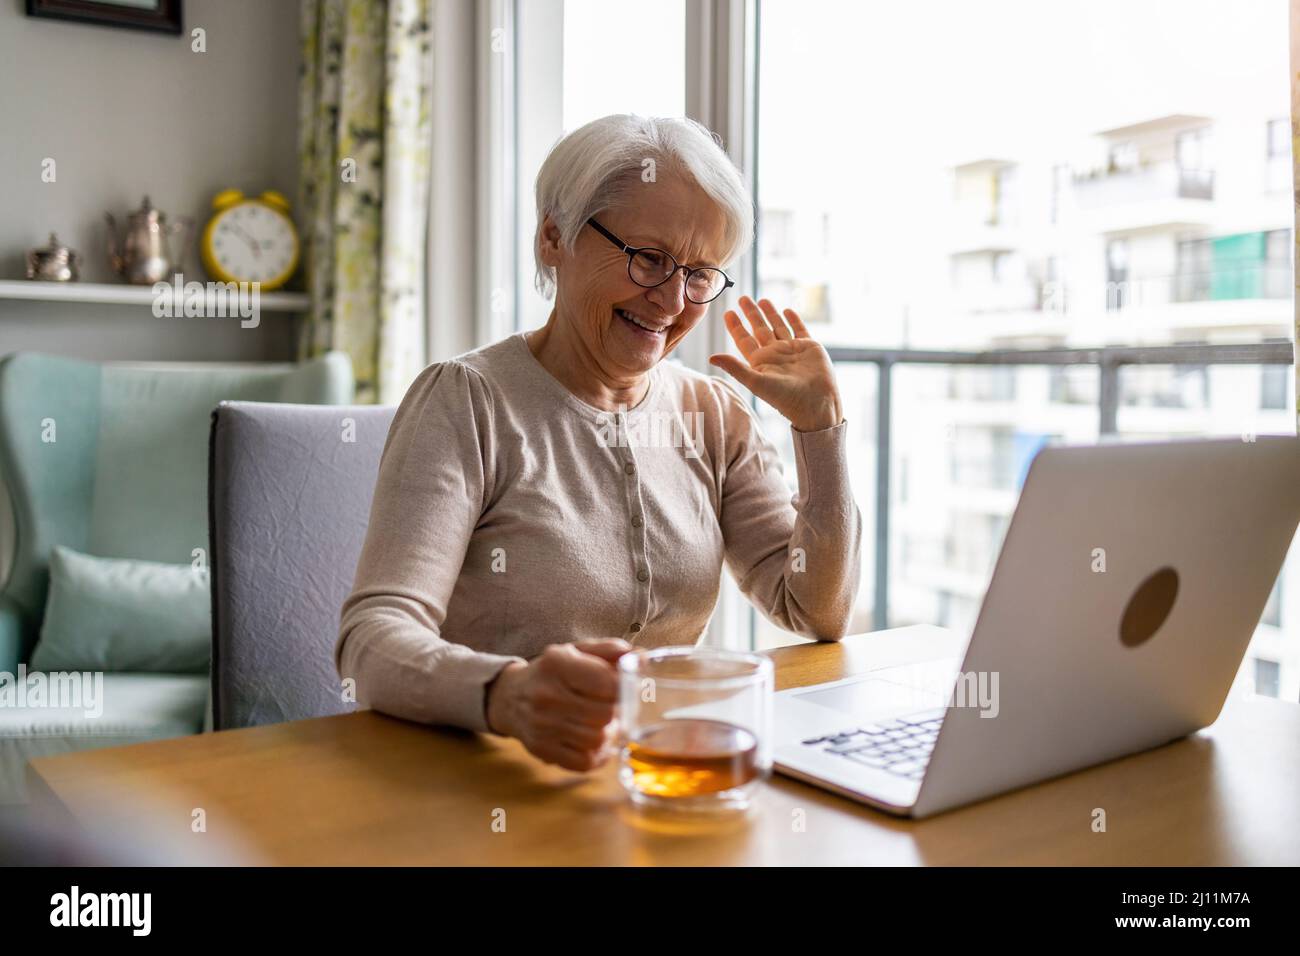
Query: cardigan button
[
  {"x": 636, "y": 626},
  {"x": 636, "y": 521},
  {"x": 643, "y": 575},
  {"x": 629, "y": 468}
]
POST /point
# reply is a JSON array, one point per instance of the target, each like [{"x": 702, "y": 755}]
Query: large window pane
[
  {"x": 964, "y": 437},
  {"x": 945, "y": 173},
  {"x": 623, "y": 56},
  {"x": 1162, "y": 402},
  {"x": 1012, "y": 175}
]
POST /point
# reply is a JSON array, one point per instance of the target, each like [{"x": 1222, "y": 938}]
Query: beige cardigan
[{"x": 509, "y": 515}]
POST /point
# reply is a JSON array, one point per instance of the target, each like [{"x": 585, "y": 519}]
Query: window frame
[
  {"x": 722, "y": 94},
  {"x": 496, "y": 206}
]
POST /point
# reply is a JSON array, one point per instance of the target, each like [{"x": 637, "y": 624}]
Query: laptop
[{"x": 1130, "y": 581}]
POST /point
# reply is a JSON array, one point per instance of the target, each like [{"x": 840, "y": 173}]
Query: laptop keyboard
[{"x": 901, "y": 746}]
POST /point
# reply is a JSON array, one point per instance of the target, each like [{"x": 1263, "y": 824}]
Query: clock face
[{"x": 254, "y": 243}]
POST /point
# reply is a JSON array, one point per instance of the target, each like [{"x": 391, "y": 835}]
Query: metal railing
[
  {"x": 1163, "y": 180},
  {"x": 1109, "y": 360}
]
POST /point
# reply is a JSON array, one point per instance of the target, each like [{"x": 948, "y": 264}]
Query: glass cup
[{"x": 696, "y": 725}]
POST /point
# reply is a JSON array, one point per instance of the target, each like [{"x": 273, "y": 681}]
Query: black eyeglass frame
[{"x": 631, "y": 252}]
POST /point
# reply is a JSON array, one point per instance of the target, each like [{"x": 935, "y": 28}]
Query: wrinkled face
[{"x": 627, "y": 328}]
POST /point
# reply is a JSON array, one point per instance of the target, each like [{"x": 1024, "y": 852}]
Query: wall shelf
[{"x": 104, "y": 293}]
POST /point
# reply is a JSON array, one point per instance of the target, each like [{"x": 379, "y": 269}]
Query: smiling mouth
[{"x": 641, "y": 323}]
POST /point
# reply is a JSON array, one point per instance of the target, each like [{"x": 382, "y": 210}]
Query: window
[
  {"x": 1268, "y": 676},
  {"x": 1049, "y": 290},
  {"x": 1194, "y": 265},
  {"x": 925, "y": 187},
  {"x": 854, "y": 214},
  {"x": 1193, "y": 150},
  {"x": 1117, "y": 284},
  {"x": 1279, "y": 138},
  {"x": 1060, "y": 188},
  {"x": 1278, "y": 270},
  {"x": 984, "y": 458},
  {"x": 1007, "y": 200},
  {"x": 647, "y": 76},
  {"x": 1277, "y": 172},
  {"x": 1274, "y": 382},
  {"x": 1073, "y": 384},
  {"x": 1277, "y": 245}
]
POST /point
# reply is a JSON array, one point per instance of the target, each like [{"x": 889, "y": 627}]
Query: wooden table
[{"x": 367, "y": 789}]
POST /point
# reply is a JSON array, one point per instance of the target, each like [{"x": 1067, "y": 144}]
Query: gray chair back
[{"x": 289, "y": 490}]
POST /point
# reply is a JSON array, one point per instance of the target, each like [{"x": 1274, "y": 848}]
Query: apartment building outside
[{"x": 1156, "y": 230}]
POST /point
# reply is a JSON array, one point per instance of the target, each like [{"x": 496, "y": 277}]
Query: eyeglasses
[{"x": 649, "y": 267}]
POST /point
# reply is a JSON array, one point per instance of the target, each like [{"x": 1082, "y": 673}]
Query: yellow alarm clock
[{"x": 250, "y": 239}]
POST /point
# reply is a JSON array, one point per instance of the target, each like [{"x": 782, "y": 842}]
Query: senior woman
[{"x": 525, "y": 531}]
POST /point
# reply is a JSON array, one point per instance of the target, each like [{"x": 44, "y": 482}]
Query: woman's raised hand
[{"x": 783, "y": 365}]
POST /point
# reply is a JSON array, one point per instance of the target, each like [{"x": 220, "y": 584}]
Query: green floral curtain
[{"x": 364, "y": 185}]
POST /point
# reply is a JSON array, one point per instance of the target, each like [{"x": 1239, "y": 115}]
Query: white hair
[{"x": 595, "y": 167}]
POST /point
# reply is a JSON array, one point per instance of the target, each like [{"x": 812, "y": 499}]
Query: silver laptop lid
[{"x": 1129, "y": 584}]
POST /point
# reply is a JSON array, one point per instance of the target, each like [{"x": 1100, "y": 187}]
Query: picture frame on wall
[{"x": 157, "y": 16}]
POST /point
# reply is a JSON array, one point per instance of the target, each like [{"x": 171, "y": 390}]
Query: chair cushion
[
  {"x": 109, "y": 614},
  {"x": 134, "y": 708}
]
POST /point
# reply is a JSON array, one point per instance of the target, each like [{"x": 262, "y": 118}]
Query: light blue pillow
[{"x": 110, "y": 614}]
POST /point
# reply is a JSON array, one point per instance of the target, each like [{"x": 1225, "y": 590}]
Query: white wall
[{"x": 124, "y": 113}]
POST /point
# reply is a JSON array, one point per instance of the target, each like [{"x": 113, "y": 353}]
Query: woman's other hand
[
  {"x": 783, "y": 365},
  {"x": 560, "y": 705}
]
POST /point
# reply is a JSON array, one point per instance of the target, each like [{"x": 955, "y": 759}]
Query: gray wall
[{"x": 124, "y": 113}]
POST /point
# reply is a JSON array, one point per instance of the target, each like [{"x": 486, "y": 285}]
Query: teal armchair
[
  {"x": 125, "y": 476},
  {"x": 12, "y": 631}
]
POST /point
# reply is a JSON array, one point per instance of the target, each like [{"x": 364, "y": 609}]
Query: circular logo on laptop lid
[{"x": 1148, "y": 607}]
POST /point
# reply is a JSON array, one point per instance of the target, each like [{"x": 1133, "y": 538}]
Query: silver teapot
[
  {"x": 53, "y": 263},
  {"x": 141, "y": 255}
]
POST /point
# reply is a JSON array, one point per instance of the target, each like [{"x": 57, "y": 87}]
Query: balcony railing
[
  {"x": 1238, "y": 280},
  {"x": 1108, "y": 360},
  {"x": 1165, "y": 180}
]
